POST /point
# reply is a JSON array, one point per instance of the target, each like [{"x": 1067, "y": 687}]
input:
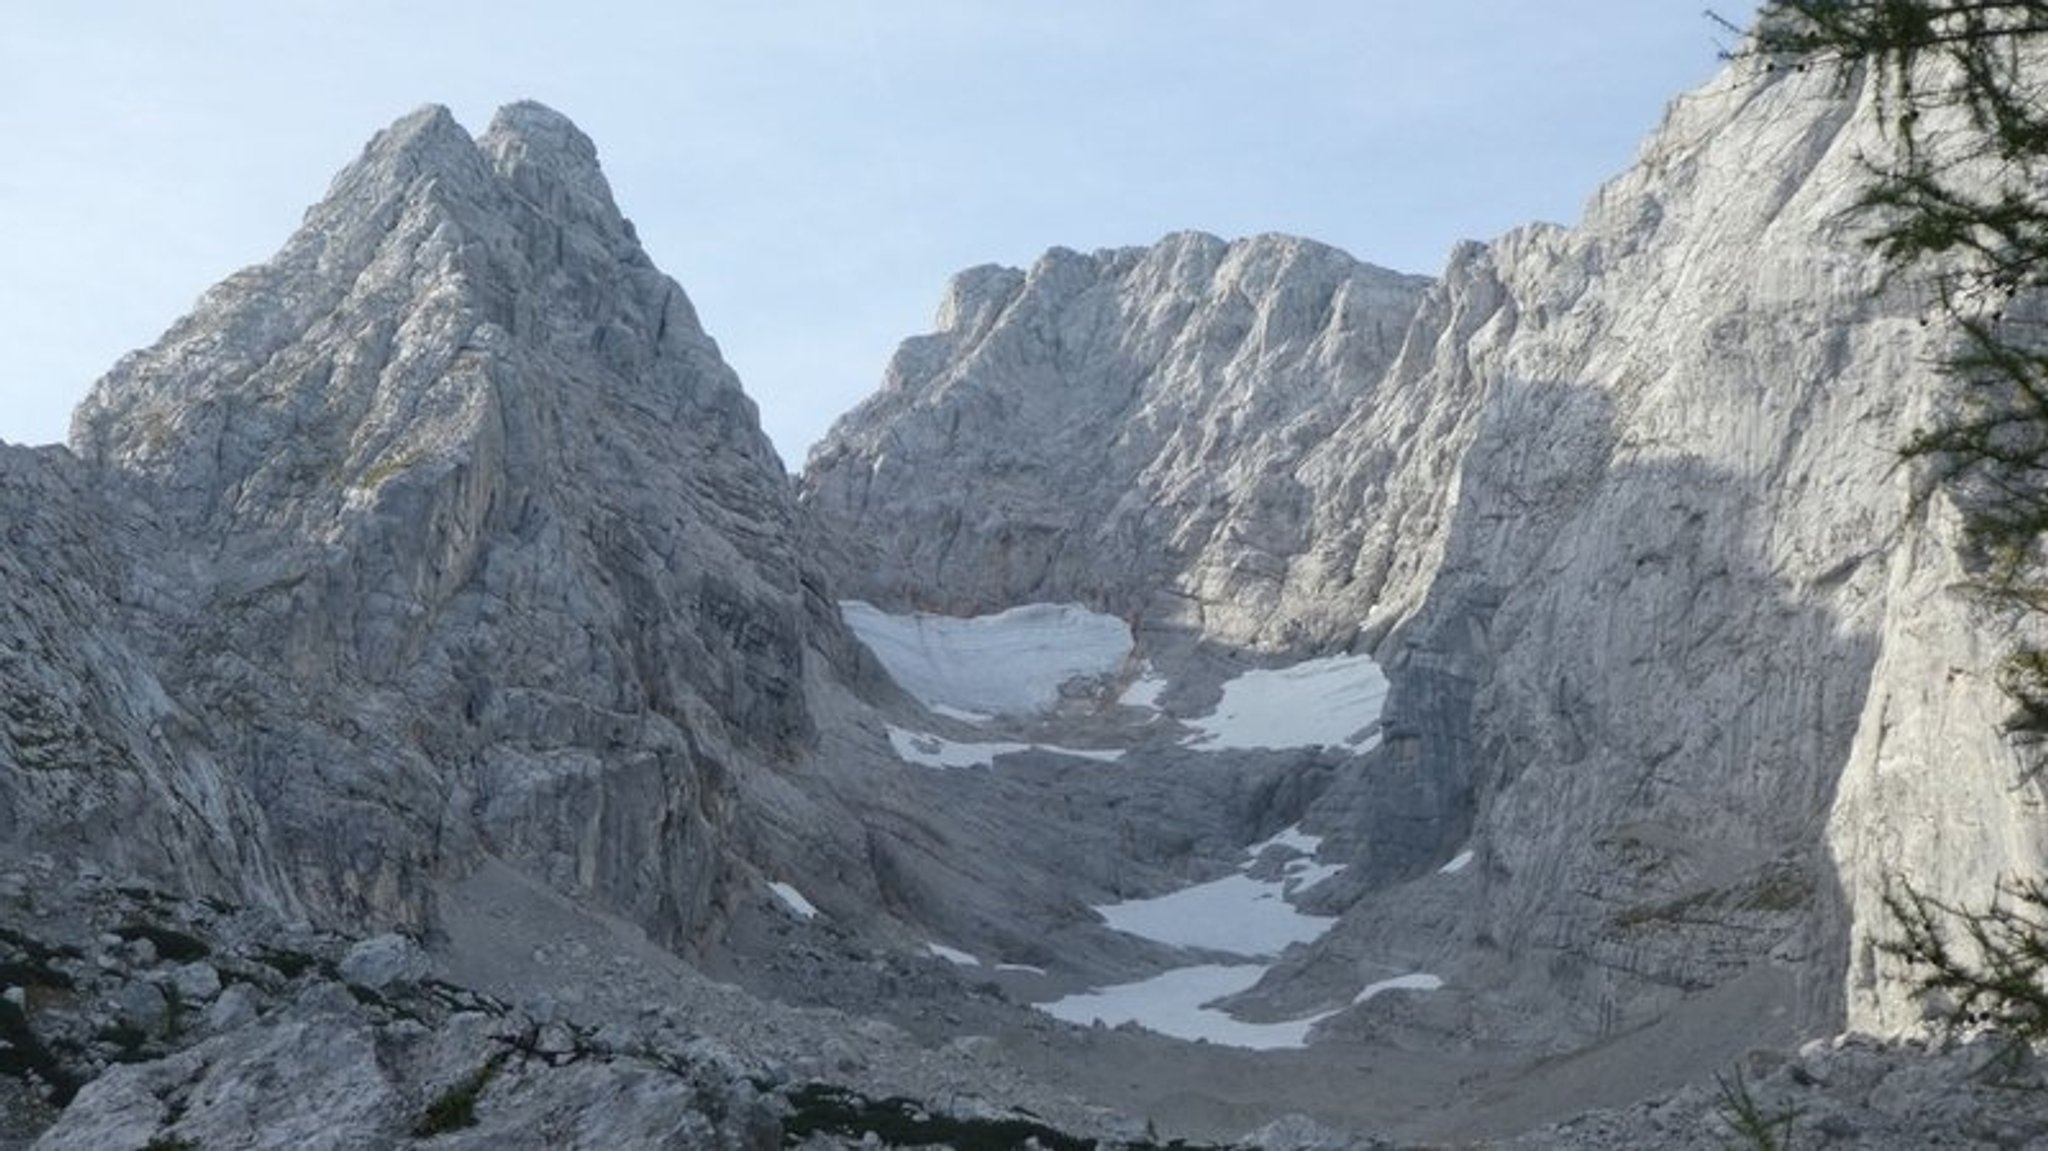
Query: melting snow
[
  {"x": 933, "y": 751},
  {"x": 952, "y": 955},
  {"x": 1463, "y": 861},
  {"x": 1334, "y": 700},
  {"x": 1172, "y": 1003},
  {"x": 1415, "y": 982},
  {"x": 794, "y": 900},
  {"x": 1012, "y": 662},
  {"x": 1236, "y": 914}
]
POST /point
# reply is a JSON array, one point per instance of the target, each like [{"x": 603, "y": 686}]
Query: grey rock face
[
  {"x": 463, "y": 537},
  {"x": 1095, "y": 427},
  {"x": 95, "y": 755},
  {"x": 382, "y": 960}
]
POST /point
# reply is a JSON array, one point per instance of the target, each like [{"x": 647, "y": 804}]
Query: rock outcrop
[
  {"x": 457, "y": 535},
  {"x": 1102, "y": 424}
]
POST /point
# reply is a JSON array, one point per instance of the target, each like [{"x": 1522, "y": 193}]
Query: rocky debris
[
  {"x": 382, "y": 960},
  {"x": 1851, "y": 1091},
  {"x": 293, "y": 1052}
]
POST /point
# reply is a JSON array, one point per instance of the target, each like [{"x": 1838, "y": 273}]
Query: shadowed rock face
[
  {"x": 1619, "y": 508},
  {"x": 463, "y": 535}
]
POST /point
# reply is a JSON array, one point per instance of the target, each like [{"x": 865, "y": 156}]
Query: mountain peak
[
  {"x": 550, "y": 161},
  {"x": 425, "y": 141}
]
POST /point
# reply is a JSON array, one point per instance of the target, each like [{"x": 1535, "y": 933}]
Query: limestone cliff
[
  {"x": 458, "y": 533},
  {"x": 1618, "y": 505}
]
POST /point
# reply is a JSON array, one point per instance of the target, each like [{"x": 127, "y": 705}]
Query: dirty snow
[
  {"x": 935, "y": 751},
  {"x": 1172, "y": 1003},
  {"x": 1335, "y": 700},
  {"x": 794, "y": 900},
  {"x": 1009, "y": 663}
]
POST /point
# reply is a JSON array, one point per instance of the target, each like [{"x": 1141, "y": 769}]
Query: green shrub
[{"x": 455, "y": 1108}]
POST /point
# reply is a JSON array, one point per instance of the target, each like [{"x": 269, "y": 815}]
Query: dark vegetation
[
  {"x": 818, "y": 1109},
  {"x": 455, "y": 1108}
]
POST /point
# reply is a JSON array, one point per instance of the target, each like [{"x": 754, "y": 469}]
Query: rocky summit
[{"x": 1219, "y": 692}]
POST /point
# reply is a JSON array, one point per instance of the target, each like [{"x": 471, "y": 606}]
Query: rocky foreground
[{"x": 132, "y": 1018}]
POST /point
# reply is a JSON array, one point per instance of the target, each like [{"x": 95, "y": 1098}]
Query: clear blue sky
[{"x": 812, "y": 171}]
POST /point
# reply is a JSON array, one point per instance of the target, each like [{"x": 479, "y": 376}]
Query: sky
[{"x": 811, "y": 171}]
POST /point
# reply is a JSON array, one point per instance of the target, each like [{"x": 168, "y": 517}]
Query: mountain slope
[{"x": 466, "y": 535}]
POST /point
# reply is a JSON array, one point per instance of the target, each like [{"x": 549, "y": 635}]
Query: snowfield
[
  {"x": 1172, "y": 1003},
  {"x": 1334, "y": 700},
  {"x": 1235, "y": 914},
  {"x": 1009, "y": 663}
]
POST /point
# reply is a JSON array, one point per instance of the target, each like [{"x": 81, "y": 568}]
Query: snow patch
[
  {"x": 1175, "y": 1003},
  {"x": 935, "y": 751},
  {"x": 794, "y": 900},
  {"x": 1459, "y": 863},
  {"x": 1235, "y": 914},
  {"x": 1297, "y": 875},
  {"x": 952, "y": 955},
  {"x": 1301, "y": 874},
  {"x": 1334, "y": 700},
  {"x": 1291, "y": 837},
  {"x": 1024, "y": 967},
  {"x": 1417, "y": 981},
  {"x": 1145, "y": 690},
  {"x": 1009, "y": 663}
]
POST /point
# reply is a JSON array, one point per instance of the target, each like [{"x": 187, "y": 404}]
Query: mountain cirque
[{"x": 430, "y": 712}]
